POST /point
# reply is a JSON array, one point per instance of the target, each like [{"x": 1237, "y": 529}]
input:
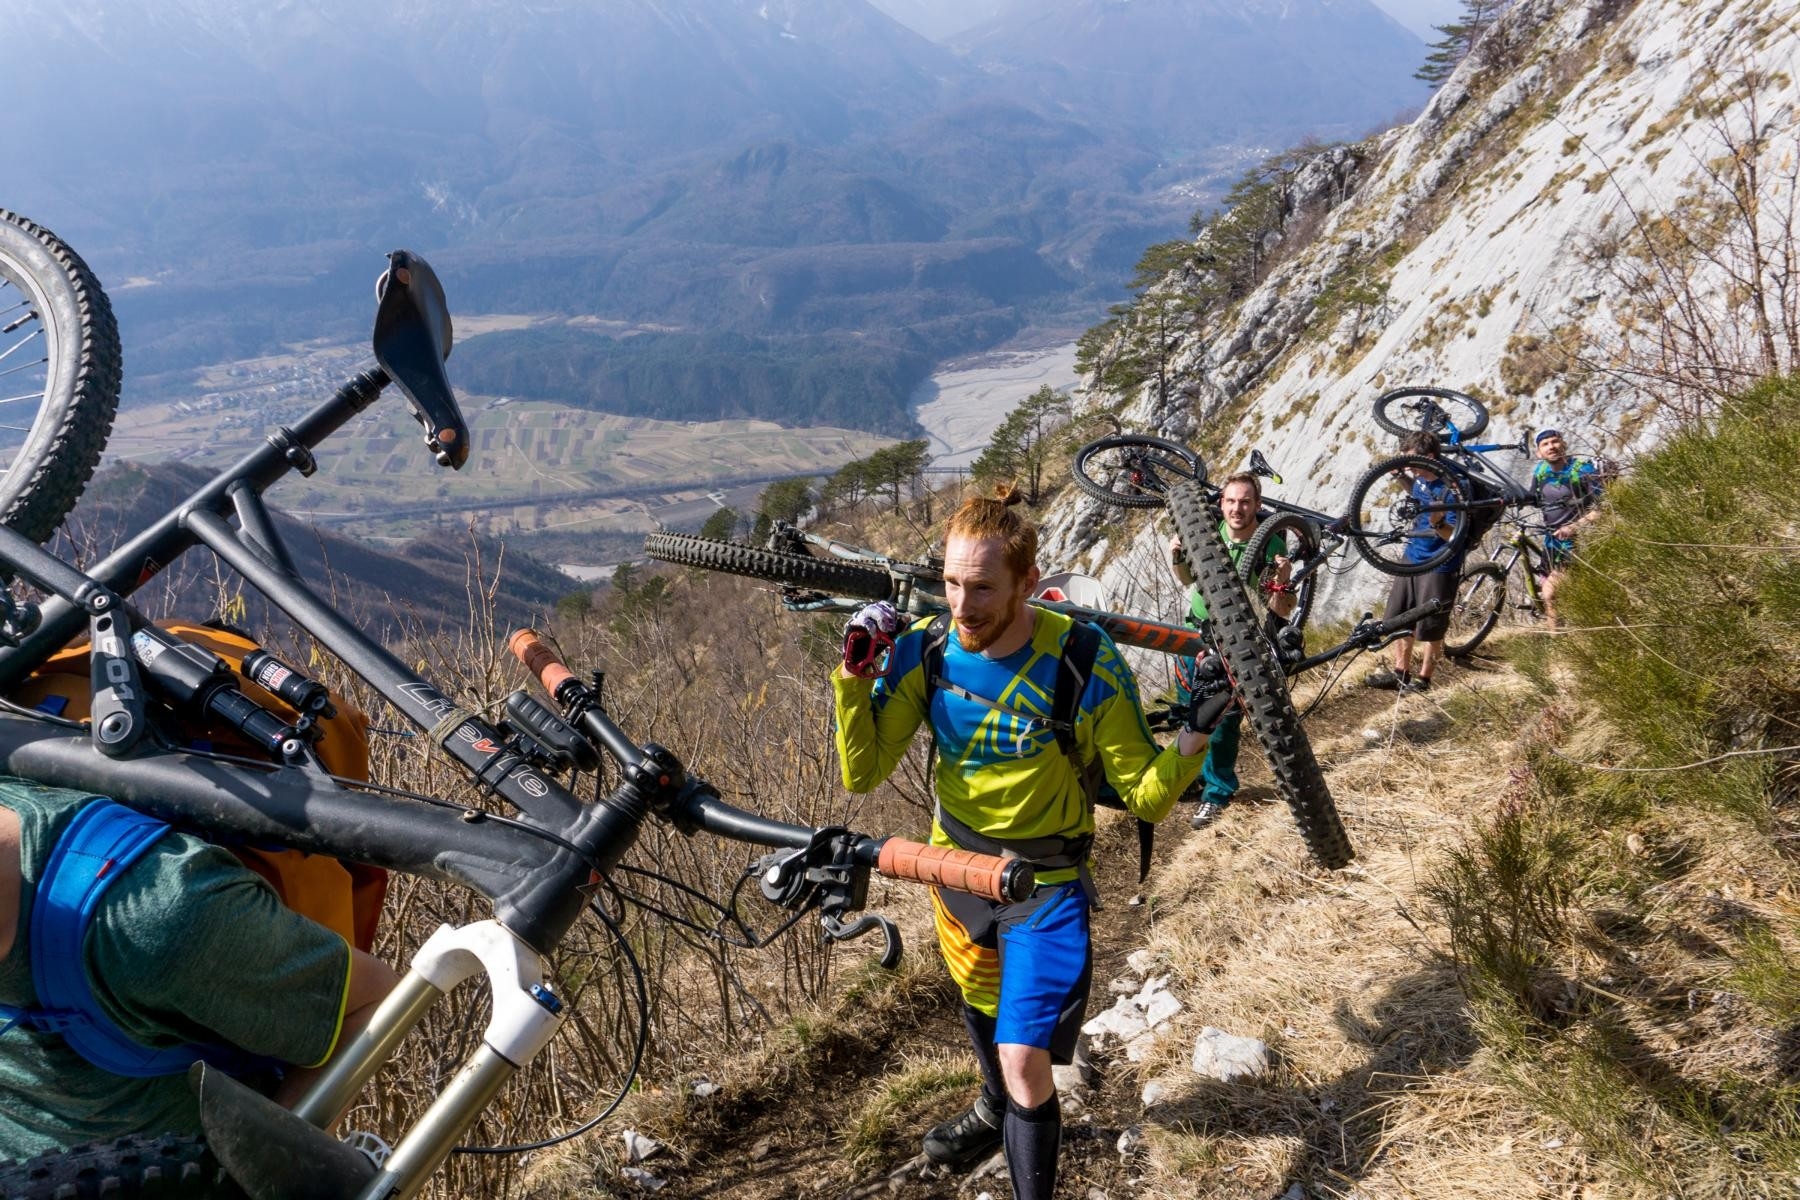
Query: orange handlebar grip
[
  {"x": 984, "y": 875},
  {"x": 539, "y": 659}
]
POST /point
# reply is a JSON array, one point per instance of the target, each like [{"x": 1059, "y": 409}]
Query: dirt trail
[{"x": 1371, "y": 1094}]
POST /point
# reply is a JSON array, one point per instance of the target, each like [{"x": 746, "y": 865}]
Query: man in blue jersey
[
  {"x": 1409, "y": 591},
  {"x": 1568, "y": 489},
  {"x": 1006, "y": 784}
]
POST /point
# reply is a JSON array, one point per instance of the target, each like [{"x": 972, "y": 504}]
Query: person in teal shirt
[
  {"x": 1568, "y": 490},
  {"x": 1240, "y": 503},
  {"x": 187, "y": 946}
]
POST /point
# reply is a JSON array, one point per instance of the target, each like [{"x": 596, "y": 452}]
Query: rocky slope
[{"x": 1501, "y": 244}]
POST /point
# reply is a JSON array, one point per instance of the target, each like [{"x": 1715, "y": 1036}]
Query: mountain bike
[
  {"x": 841, "y": 579},
  {"x": 538, "y": 870},
  {"x": 1233, "y": 637},
  {"x": 1138, "y": 471}
]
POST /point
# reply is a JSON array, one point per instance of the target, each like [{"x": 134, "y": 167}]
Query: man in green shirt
[
  {"x": 1240, "y": 503},
  {"x": 186, "y": 946}
]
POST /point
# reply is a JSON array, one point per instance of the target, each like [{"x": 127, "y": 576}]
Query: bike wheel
[
  {"x": 1260, "y": 685},
  {"x": 1299, "y": 542},
  {"x": 1431, "y": 409},
  {"x": 1480, "y": 597},
  {"x": 838, "y": 578},
  {"x": 1389, "y": 522},
  {"x": 59, "y": 376},
  {"x": 145, "y": 1168},
  {"x": 1135, "y": 470}
]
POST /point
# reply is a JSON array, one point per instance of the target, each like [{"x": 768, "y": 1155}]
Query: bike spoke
[
  {"x": 22, "y": 342},
  {"x": 25, "y": 366}
]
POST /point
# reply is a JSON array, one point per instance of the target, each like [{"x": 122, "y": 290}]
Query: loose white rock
[
  {"x": 1140, "y": 962},
  {"x": 639, "y": 1177},
  {"x": 1160, "y": 1008},
  {"x": 1141, "y": 1047},
  {"x": 638, "y": 1147},
  {"x": 1124, "y": 1020},
  {"x": 705, "y": 1087},
  {"x": 1130, "y": 1140},
  {"x": 1294, "y": 1193},
  {"x": 1155, "y": 1092},
  {"x": 1225, "y": 1057},
  {"x": 1124, "y": 985}
]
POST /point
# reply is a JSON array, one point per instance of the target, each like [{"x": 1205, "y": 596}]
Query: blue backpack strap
[{"x": 96, "y": 849}]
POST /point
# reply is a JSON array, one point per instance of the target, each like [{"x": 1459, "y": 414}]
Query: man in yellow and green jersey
[{"x": 1005, "y": 784}]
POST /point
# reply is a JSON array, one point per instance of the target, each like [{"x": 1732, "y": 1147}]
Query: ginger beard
[{"x": 987, "y": 597}]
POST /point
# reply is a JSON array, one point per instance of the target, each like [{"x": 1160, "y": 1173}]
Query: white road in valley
[{"x": 960, "y": 408}]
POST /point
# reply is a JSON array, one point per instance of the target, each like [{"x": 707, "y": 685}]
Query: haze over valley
[{"x": 783, "y": 211}]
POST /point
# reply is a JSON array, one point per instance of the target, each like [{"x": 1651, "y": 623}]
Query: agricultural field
[{"x": 534, "y": 466}]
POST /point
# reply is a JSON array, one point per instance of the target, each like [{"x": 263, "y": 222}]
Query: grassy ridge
[{"x": 1625, "y": 922}]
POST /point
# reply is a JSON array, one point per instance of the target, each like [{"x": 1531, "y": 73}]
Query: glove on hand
[
  {"x": 869, "y": 638},
  {"x": 1205, "y": 714}
]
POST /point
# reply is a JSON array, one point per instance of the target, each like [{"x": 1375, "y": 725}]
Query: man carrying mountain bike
[
  {"x": 120, "y": 966},
  {"x": 1568, "y": 488},
  {"x": 1011, "y": 778},
  {"x": 1240, "y": 499},
  {"x": 1432, "y": 525}
]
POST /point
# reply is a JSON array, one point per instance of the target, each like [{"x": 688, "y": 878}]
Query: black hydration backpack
[{"x": 1080, "y": 647}]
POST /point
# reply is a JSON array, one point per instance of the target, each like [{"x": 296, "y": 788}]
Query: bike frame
[{"x": 537, "y": 870}]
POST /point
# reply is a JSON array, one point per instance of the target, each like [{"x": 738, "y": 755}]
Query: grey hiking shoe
[
  {"x": 965, "y": 1139},
  {"x": 1207, "y": 813}
]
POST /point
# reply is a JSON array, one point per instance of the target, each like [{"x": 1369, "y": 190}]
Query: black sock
[
  {"x": 981, "y": 1029},
  {"x": 1033, "y": 1137}
]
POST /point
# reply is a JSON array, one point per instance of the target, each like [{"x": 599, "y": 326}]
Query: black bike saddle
[{"x": 412, "y": 340}]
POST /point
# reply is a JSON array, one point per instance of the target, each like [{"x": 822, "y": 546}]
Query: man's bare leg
[{"x": 1033, "y": 1121}]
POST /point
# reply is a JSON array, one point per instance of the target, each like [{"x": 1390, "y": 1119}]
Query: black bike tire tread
[
  {"x": 1398, "y": 430},
  {"x": 837, "y": 577},
  {"x": 1258, "y": 546},
  {"x": 1107, "y": 495},
  {"x": 1464, "y": 649},
  {"x": 57, "y": 475},
  {"x": 1386, "y": 566},
  {"x": 134, "y": 1167},
  {"x": 1262, "y": 687}
]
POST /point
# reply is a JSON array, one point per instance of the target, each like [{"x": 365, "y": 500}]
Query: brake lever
[{"x": 837, "y": 931}]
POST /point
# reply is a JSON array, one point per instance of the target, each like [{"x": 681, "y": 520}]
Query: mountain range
[{"x": 760, "y": 168}]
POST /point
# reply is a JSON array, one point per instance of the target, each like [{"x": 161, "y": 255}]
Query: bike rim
[{"x": 30, "y": 343}]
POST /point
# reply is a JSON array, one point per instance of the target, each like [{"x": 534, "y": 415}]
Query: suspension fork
[{"x": 526, "y": 1015}]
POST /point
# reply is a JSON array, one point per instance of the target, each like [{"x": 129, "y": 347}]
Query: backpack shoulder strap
[
  {"x": 93, "y": 853},
  {"x": 1081, "y": 646},
  {"x": 937, "y": 633}
]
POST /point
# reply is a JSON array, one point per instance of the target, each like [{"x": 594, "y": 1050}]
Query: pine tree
[{"x": 1459, "y": 38}]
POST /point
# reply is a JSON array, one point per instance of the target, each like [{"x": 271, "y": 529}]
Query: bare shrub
[{"x": 1711, "y": 283}]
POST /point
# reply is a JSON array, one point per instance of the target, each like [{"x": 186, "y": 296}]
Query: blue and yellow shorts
[{"x": 1028, "y": 965}]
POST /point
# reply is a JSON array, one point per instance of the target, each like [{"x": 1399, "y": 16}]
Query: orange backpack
[{"x": 344, "y": 897}]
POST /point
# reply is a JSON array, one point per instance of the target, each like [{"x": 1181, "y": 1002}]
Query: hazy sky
[{"x": 1421, "y": 16}]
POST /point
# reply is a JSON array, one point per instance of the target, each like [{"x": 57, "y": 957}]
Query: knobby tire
[
  {"x": 81, "y": 393},
  {"x": 1365, "y": 540},
  {"x": 833, "y": 576},
  {"x": 1179, "y": 459},
  {"x": 1261, "y": 686},
  {"x": 1480, "y": 598},
  {"x": 170, "y": 1167}
]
